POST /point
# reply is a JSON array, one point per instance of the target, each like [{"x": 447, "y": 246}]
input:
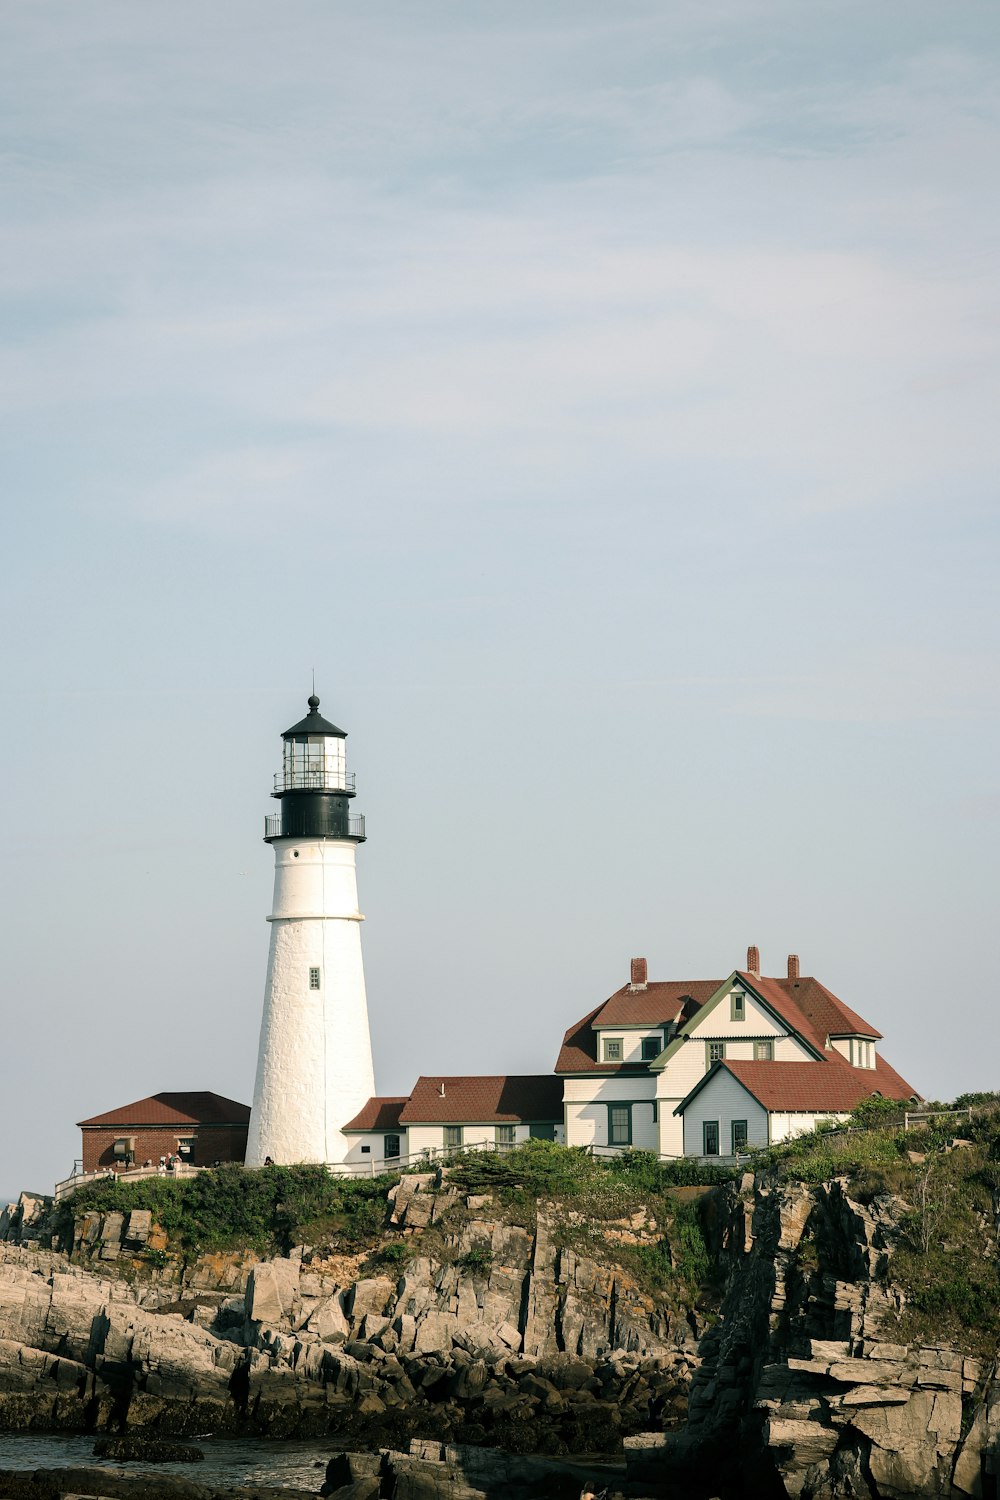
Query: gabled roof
[
  {"x": 185, "y": 1108},
  {"x": 654, "y": 1005},
  {"x": 378, "y": 1114},
  {"x": 823, "y": 1012},
  {"x": 809, "y": 1087},
  {"x": 805, "y": 1006},
  {"x": 483, "y": 1100}
]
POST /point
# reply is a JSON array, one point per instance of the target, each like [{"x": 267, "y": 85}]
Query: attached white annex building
[
  {"x": 706, "y": 1067},
  {"x": 314, "y": 1067},
  {"x": 455, "y": 1113}
]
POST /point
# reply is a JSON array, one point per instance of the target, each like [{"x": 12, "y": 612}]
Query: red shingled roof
[
  {"x": 812, "y": 1087},
  {"x": 482, "y": 1100},
  {"x": 578, "y": 1053},
  {"x": 811, "y": 1008},
  {"x": 378, "y": 1114},
  {"x": 185, "y": 1108},
  {"x": 660, "y": 1001},
  {"x": 657, "y": 1004},
  {"x": 805, "y": 1005}
]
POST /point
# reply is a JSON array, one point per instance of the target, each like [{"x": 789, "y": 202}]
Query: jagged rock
[
  {"x": 272, "y": 1291},
  {"x": 329, "y": 1321},
  {"x": 137, "y": 1230}
]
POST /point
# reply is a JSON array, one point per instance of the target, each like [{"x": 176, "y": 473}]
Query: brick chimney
[
  {"x": 753, "y": 960},
  {"x": 793, "y": 966},
  {"x": 639, "y": 980}
]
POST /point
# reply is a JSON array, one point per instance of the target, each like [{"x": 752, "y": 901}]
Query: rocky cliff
[
  {"x": 481, "y": 1331},
  {"x": 807, "y": 1385},
  {"x": 851, "y": 1350}
]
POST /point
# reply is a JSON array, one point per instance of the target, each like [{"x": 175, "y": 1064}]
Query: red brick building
[{"x": 200, "y": 1128}]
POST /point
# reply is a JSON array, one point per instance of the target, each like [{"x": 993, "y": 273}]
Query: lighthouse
[{"x": 314, "y": 1066}]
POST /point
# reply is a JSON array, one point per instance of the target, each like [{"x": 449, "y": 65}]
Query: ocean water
[{"x": 233, "y": 1461}]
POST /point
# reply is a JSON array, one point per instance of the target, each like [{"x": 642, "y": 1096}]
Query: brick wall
[{"x": 212, "y": 1143}]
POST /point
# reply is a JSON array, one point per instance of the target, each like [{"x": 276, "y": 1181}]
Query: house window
[
  {"x": 390, "y": 1147},
  {"x": 366, "y": 1151},
  {"x": 656, "y": 1110},
  {"x": 542, "y": 1132},
  {"x": 739, "y": 1136},
  {"x": 738, "y": 1004},
  {"x": 185, "y": 1148},
  {"x": 619, "y": 1124},
  {"x": 710, "y": 1137},
  {"x": 715, "y": 1052},
  {"x": 613, "y": 1049},
  {"x": 452, "y": 1137},
  {"x": 505, "y": 1135},
  {"x": 314, "y": 979},
  {"x": 652, "y": 1046},
  {"x": 763, "y": 1051}
]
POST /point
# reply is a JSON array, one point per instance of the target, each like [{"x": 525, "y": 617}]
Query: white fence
[{"x": 70, "y": 1185}]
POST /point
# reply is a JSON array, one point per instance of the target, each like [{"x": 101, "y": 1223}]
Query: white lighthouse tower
[{"x": 314, "y": 1068}]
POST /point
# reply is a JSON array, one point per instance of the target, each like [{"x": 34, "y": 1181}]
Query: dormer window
[
  {"x": 862, "y": 1052},
  {"x": 612, "y": 1049},
  {"x": 652, "y": 1046}
]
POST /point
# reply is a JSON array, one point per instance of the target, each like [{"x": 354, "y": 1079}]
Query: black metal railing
[
  {"x": 355, "y": 827},
  {"x": 310, "y": 779}
]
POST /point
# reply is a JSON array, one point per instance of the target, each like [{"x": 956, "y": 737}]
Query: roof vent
[
  {"x": 793, "y": 966},
  {"x": 639, "y": 979},
  {"x": 753, "y": 960},
  {"x": 441, "y": 1089}
]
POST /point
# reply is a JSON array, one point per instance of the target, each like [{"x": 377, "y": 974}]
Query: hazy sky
[{"x": 604, "y": 399}]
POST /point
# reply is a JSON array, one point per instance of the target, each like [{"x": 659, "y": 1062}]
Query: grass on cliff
[
  {"x": 946, "y": 1258},
  {"x": 948, "y": 1261},
  {"x": 227, "y": 1208},
  {"x": 541, "y": 1169}
]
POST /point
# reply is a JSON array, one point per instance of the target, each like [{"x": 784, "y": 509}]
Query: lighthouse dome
[{"x": 314, "y": 723}]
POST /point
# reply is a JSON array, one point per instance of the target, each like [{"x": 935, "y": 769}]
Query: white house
[{"x": 701, "y": 1067}]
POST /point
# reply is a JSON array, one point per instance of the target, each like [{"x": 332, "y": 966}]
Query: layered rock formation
[
  {"x": 498, "y": 1334},
  {"x": 802, "y": 1381}
]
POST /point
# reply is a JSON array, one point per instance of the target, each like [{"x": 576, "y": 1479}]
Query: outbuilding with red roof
[
  {"x": 198, "y": 1126},
  {"x": 445, "y": 1114}
]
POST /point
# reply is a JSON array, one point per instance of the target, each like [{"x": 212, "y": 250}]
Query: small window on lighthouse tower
[{"x": 314, "y": 979}]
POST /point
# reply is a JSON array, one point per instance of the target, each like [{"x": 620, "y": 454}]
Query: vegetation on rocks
[
  {"x": 271, "y": 1209},
  {"x": 944, "y": 1172},
  {"x": 267, "y": 1210}
]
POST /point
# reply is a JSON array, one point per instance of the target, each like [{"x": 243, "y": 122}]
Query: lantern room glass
[{"x": 317, "y": 762}]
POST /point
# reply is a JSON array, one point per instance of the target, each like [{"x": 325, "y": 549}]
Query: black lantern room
[{"x": 314, "y": 786}]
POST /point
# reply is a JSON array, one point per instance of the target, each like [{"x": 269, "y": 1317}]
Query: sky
[{"x": 602, "y": 399}]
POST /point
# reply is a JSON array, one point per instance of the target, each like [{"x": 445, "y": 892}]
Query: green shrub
[
  {"x": 876, "y": 1111},
  {"x": 477, "y": 1260},
  {"x": 271, "y": 1208},
  {"x": 392, "y": 1256}
]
